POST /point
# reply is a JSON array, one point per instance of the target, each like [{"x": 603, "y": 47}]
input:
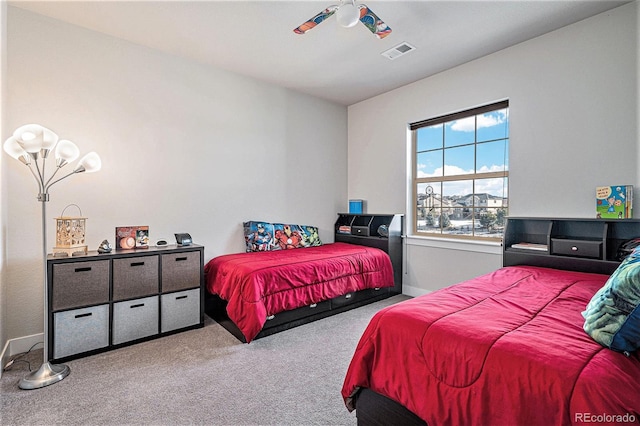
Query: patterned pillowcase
[
  {"x": 612, "y": 317},
  {"x": 258, "y": 236},
  {"x": 265, "y": 236},
  {"x": 311, "y": 235}
]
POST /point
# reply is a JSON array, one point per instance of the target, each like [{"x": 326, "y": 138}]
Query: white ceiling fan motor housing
[{"x": 348, "y": 14}]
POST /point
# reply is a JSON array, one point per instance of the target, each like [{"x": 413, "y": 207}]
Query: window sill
[{"x": 478, "y": 246}]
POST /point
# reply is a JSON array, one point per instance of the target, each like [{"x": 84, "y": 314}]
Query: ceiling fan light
[{"x": 348, "y": 14}]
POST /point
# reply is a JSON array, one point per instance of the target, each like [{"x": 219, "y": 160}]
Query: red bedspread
[
  {"x": 259, "y": 284},
  {"x": 505, "y": 348}
]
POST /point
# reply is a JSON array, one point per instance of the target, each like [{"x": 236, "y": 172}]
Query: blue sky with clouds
[{"x": 456, "y": 139}]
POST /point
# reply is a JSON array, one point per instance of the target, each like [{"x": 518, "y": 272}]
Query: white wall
[
  {"x": 573, "y": 97},
  {"x": 248, "y": 150},
  {"x": 3, "y": 198},
  {"x": 184, "y": 147}
]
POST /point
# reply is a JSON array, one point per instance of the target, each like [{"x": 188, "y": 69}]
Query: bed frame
[
  {"x": 584, "y": 245},
  {"x": 363, "y": 230},
  {"x": 216, "y": 308}
]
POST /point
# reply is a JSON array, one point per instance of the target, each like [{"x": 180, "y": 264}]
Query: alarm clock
[
  {"x": 383, "y": 230},
  {"x": 183, "y": 239}
]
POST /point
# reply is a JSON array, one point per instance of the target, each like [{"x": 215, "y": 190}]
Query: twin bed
[
  {"x": 288, "y": 277},
  {"x": 508, "y": 348},
  {"x": 256, "y": 294},
  {"x": 504, "y": 348}
]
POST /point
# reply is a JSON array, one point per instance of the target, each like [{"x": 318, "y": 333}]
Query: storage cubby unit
[
  {"x": 383, "y": 231},
  {"x": 574, "y": 244},
  {"x": 97, "y": 302}
]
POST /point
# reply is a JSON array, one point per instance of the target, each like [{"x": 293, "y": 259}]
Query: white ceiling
[{"x": 343, "y": 65}]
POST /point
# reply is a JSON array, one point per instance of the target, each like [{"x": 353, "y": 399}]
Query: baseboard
[
  {"x": 414, "y": 291},
  {"x": 19, "y": 345},
  {"x": 4, "y": 357}
]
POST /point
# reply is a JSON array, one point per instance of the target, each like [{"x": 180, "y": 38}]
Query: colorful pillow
[
  {"x": 258, "y": 236},
  {"x": 612, "y": 317},
  {"x": 266, "y": 236}
]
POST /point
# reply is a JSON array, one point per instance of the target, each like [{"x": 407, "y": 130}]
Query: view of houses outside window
[{"x": 461, "y": 172}]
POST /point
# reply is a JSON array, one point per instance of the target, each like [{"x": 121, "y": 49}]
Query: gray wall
[
  {"x": 573, "y": 97},
  {"x": 3, "y": 202},
  {"x": 184, "y": 147},
  {"x": 191, "y": 148}
]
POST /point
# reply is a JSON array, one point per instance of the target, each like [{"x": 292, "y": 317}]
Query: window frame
[{"x": 473, "y": 177}]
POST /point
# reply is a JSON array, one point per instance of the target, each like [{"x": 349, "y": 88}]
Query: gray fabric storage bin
[
  {"x": 77, "y": 284},
  {"x": 80, "y": 330},
  {"x": 180, "y": 309},
  {"x": 180, "y": 271},
  {"x": 135, "y": 319},
  {"x": 135, "y": 277}
]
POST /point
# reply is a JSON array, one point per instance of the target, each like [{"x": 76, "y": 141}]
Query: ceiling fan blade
[
  {"x": 373, "y": 22},
  {"x": 311, "y": 23}
]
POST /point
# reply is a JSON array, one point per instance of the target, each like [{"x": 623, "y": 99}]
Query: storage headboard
[{"x": 586, "y": 245}]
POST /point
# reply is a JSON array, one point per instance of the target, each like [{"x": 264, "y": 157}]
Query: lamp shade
[
  {"x": 89, "y": 163},
  {"x": 66, "y": 152},
  {"x": 13, "y": 148},
  {"x": 34, "y": 137},
  {"x": 348, "y": 14}
]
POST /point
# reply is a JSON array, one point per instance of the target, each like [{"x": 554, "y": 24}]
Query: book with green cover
[{"x": 614, "y": 202}]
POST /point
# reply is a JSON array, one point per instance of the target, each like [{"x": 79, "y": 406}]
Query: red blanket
[
  {"x": 506, "y": 348},
  {"x": 259, "y": 284}
]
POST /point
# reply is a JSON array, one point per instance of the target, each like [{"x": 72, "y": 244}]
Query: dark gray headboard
[{"x": 586, "y": 245}]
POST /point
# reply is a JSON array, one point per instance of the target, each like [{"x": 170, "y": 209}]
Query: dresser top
[{"x": 94, "y": 255}]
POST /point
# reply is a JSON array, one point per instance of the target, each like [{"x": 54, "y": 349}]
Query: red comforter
[
  {"x": 259, "y": 284},
  {"x": 506, "y": 348}
]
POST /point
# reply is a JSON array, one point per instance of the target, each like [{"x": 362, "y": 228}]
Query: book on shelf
[
  {"x": 614, "y": 202},
  {"x": 529, "y": 246},
  {"x": 344, "y": 229}
]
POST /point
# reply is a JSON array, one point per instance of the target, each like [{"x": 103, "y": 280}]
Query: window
[{"x": 461, "y": 173}]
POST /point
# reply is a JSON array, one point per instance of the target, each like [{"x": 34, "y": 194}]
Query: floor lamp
[{"x": 31, "y": 145}]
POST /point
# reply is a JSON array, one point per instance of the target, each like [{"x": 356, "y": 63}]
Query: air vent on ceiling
[{"x": 397, "y": 51}]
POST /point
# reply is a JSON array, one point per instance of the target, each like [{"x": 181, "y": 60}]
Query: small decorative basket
[{"x": 70, "y": 234}]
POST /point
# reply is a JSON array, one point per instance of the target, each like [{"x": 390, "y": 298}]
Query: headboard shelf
[
  {"x": 383, "y": 231},
  {"x": 587, "y": 245}
]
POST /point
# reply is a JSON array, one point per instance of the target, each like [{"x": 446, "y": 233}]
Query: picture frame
[
  {"x": 142, "y": 237},
  {"x": 132, "y": 237}
]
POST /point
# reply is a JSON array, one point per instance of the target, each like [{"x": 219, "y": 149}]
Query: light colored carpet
[{"x": 204, "y": 376}]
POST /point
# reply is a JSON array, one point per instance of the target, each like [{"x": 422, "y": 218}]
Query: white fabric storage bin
[
  {"x": 180, "y": 309},
  {"x": 135, "y": 319},
  {"x": 80, "y": 330}
]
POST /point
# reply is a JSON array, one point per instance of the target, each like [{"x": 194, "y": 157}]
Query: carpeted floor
[{"x": 203, "y": 376}]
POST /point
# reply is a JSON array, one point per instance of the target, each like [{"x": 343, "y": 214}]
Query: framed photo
[
  {"x": 142, "y": 237},
  {"x": 132, "y": 237}
]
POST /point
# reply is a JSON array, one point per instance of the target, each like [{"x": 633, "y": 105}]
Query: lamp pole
[
  {"x": 48, "y": 373},
  {"x": 29, "y": 144}
]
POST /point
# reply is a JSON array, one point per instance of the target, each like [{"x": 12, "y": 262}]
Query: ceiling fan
[{"x": 348, "y": 14}]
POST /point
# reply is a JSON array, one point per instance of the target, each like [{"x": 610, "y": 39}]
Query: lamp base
[{"x": 46, "y": 375}]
